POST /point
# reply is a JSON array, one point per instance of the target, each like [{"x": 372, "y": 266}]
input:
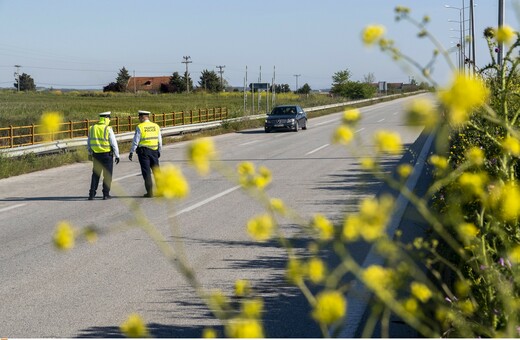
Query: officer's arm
[
  {"x": 135, "y": 141},
  {"x": 113, "y": 143},
  {"x": 160, "y": 141}
]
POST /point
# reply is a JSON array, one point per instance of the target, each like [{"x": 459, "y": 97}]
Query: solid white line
[
  {"x": 247, "y": 143},
  {"x": 12, "y": 207},
  {"x": 360, "y": 130},
  {"x": 317, "y": 149},
  {"x": 381, "y": 120},
  {"x": 207, "y": 200},
  {"x": 127, "y": 176},
  {"x": 328, "y": 121}
]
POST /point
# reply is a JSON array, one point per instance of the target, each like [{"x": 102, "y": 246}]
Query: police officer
[
  {"x": 147, "y": 143},
  {"x": 102, "y": 147}
]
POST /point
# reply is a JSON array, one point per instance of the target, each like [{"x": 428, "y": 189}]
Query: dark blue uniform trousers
[
  {"x": 103, "y": 163},
  {"x": 149, "y": 161}
]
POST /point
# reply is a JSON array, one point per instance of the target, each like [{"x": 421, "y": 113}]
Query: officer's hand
[
  {"x": 89, "y": 157},
  {"x": 117, "y": 160},
  {"x": 158, "y": 154},
  {"x": 130, "y": 155}
]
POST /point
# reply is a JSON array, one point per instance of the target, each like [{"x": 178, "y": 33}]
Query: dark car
[{"x": 286, "y": 117}]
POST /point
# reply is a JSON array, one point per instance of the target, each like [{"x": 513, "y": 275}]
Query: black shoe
[
  {"x": 107, "y": 197},
  {"x": 90, "y": 198},
  {"x": 147, "y": 195}
]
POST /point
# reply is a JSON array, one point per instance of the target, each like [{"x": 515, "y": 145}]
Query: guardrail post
[
  {"x": 200, "y": 117},
  {"x": 191, "y": 116},
  {"x": 117, "y": 124},
  {"x": 11, "y": 136},
  {"x": 129, "y": 123},
  {"x": 86, "y": 128},
  {"x": 32, "y": 134},
  {"x": 183, "y": 117},
  {"x": 71, "y": 130},
  {"x": 164, "y": 119}
]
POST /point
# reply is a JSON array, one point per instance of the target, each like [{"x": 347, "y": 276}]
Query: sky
[{"x": 83, "y": 44}]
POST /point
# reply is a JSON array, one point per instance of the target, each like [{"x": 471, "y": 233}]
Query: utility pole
[
  {"x": 296, "y": 75},
  {"x": 17, "y": 75},
  {"x": 472, "y": 16},
  {"x": 186, "y": 61},
  {"x": 500, "y": 24},
  {"x": 220, "y": 67}
]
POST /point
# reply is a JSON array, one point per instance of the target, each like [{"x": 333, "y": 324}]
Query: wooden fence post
[{"x": 11, "y": 137}]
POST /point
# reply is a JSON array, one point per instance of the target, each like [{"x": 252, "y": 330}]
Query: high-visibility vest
[
  {"x": 99, "y": 138},
  {"x": 149, "y": 135}
]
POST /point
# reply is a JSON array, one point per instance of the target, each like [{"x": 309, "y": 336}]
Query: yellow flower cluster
[
  {"x": 244, "y": 328},
  {"x": 242, "y": 287},
  {"x": 249, "y": 178},
  {"x": 474, "y": 183},
  {"x": 511, "y": 145},
  {"x": 330, "y": 307},
  {"x": 505, "y": 34},
  {"x": 261, "y": 227},
  {"x": 64, "y": 236},
  {"x": 506, "y": 199},
  {"x": 50, "y": 122},
  {"x": 388, "y": 142},
  {"x": 370, "y": 222},
  {"x": 422, "y": 112},
  {"x": 170, "y": 182},
  {"x": 464, "y": 95},
  {"x": 420, "y": 291},
  {"x": 379, "y": 279},
  {"x": 277, "y": 205},
  {"x": 372, "y": 34},
  {"x": 351, "y": 116},
  {"x": 343, "y": 135},
  {"x": 200, "y": 153},
  {"x": 134, "y": 327},
  {"x": 324, "y": 227}
]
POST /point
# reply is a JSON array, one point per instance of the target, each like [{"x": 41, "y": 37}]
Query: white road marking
[
  {"x": 381, "y": 120},
  {"x": 327, "y": 121},
  {"x": 127, "y": 176},
  {"x": 207, "y": 200},
  {"x": 360, "y": 130},
  {"x": 12, "y": 207},
  {"x": 317, "y": 149},
  {"x": 247, "y": 143}
]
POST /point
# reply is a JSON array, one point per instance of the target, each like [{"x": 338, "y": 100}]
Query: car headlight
[{"x": 290, "y": 120}]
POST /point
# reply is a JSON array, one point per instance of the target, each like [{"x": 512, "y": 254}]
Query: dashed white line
[
  {"x": 381, "y": 120},
  {"x": 127, "y": 176},
  {"x": 326, "y": 122},
  {"x": 247, "y": 143},
  {"x": 207, "y": 200},
  {"x": 317, "y": 149},
  {"x": 12, "y": 207}
]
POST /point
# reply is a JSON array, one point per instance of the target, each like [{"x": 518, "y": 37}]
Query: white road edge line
[
  {"x": 317, "y": 149},
  {"x": 207, "y": 200},
  {"x": 12, "y": 207}
]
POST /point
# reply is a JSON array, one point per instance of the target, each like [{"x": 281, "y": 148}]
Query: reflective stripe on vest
[
  {"x": 149, "y": 135},
  {"x": 98, "y": 137}
]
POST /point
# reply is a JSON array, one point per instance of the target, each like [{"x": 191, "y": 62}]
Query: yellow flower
[
  {"x": 217, "y": 301},
  {"x": 411, "y": 305},
  {"x": 507, "y": 199},
  {"x": 170, "y": 182},
  {"x": 422, "y": 112},
  {"x": 372, "y": 34},
  {"x": 134, "y": 327},
  {"x": 209, "y": 333},
  {"x": 343, "y": 135},
  {"x": 475, "y": 155},
  {"x": 50, "y": 123},
  {"x": 368, "y": 163},
  {"x": 505, "y": 34},
  {"x": 242, "y": 287},
  {"x": 295, "y": 271},
  {"x": 388, "y": 142},
  {"x": 374, "y": 215},
  {"x": 252, "y": 308},
  {"x": 200, "y": 153},
  {"x": 379, "y": 279},
  {"x": 514, "y": 255},
  {"x": 464, "y": 95},
  {"x": 261, "y": 227},
  {"x": 439, "y": 162},
  {"x": 263, "y": 178},
  {"x": 316, "y": 270},
  {"x": 351, "y": 227},
  {"x": 64, "y": 236},
  {"x": 421, "y": 291},
  {"x": 511, "y": 145},
  {"x": 467, "y": 231},
  {"x": 244, "y": 328},
  {"x": 330, "y": 307},
  {"x": 351, "y": 116},
  {"x": 404, "y": 170},
  {"x": 277, "y": 205},
  {"x": 473, "y": 182},
  {"x": 246, "y": 168},
  {"x": 323, "y": 226}
]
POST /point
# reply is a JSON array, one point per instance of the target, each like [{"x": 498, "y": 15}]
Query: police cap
[
  {"x": 105, "y": 114},
  {"x": 144, "y": 113}
]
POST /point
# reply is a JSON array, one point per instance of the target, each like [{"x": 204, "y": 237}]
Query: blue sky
[{"x": 83, "y": 44}]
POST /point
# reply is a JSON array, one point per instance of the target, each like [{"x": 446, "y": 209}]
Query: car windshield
[{"x": 280, "y": 111}]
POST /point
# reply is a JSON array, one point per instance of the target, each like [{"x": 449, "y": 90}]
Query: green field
[{"x": 25, "y": 108}]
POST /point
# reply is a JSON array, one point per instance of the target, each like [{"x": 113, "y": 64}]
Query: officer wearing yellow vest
[
  {"x": 102, "y": 147},
  {"x": 147, "y": 143}
]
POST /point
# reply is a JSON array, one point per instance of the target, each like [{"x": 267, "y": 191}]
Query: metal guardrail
[{"x": 69, "y": 143}]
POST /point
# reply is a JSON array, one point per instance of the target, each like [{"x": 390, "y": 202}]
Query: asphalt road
[{"x": 90, "y": 290}]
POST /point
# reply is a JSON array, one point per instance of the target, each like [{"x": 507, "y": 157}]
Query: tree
[
  {"x": 26, "y": 83},
  {"x": 343, "y": 86},
  {"x": 112, "y": 87},
  {"x": 305, "y": 89},
  {"x": 187, "y": 80},
  {"x": 282, "y": 88},
  {"x": 210, "y": 81},
  {"x": 122, "y": 79},
  {"x": 369, "y": 78},
  {"x": 177, "y": 82}
]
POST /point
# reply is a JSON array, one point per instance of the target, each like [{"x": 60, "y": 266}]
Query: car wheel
[
  {"x": 296, "y": 126},
  {"x": 267, "y": 130},
  {"x": 304, "y": 127}
]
